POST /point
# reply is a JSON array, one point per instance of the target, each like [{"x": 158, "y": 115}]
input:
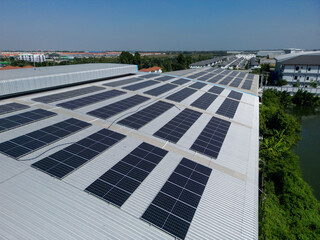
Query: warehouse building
[
  {"x": 122, "y": 154},
  {"x": 207, "y": 63}
]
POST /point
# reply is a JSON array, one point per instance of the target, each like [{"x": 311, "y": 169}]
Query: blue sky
[{"x": 159, "y": 25}]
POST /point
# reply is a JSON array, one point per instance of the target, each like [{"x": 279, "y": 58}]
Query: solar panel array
[
  {"x": 242, "y": 74},
  {"x": 181, "y": 95},
  {"x": 226, "y": 80},
  {"x": 117, "y": 184},
  {"x": 173, "y": 208},
  {"x": 118, "y": 107},
  {"x": 152, "y": 75},
  {"x": 178, "y": 126},
  {"x": 141, "y": 85},
  {"x": 181, "y": 81},
  {"x": 206, "y": 77},
  {"x": 85, "y": 101},
  {"x": 23, "y": 119},
  {"x": 146, "y": 115},
  {"x": 198, "y": 85},
  {"x": 250, "y": 76},
  {"x": 33, "y": 141},
  {"x": 204, "y": 101},
  {"x": 247, "y": 84},
  {"x": 235, "y": 95},
  {"x": 228, "y": 108},
  {"x": 74, "y": 156},
  {"x": 11, "y": 107},
  {"x": 211, "y": 138},
  {"x": 164, "y": 78},
  {"x": 215, "y": 79},
  {"x": 196, "y": 75},
  {"x": 233, "y": 73},
  {"x": 122, "y": 82},
  {"x": 236, "y": 82},
  {"x": 216, "y": 90},
  {"x": 160, "y": 90},
  {"x": 68, "y": 94}
]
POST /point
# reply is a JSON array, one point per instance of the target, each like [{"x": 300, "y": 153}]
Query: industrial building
[
  {"x": 32, "y": 57},
  {"x": 302, "y": 68},
  {"x": 207, "y": 63},
  {"x": 102, "y": 151}
]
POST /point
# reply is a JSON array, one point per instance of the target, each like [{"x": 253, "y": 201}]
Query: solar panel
[
  {"x": 146, "y": 115},
  {"x": 215, "y": 79},
  {"x": 141, "y": 85},
  {"x": 118, "y": 107},
  {"x": 250, "y": 76},
  {"x": 211, "y": 138},
  {"x": 226, "y": 80},
  {"x": 198, "y": 85},
  {"x": 235, "y": 95},
  {"x": 123, "y": 82},
  {"x": 204, "y": 101},
  {"x": 74, "y": 156},
  {"x": 247, "y": 84},
  {"x": 242, "y": 74},
  {"x": 236, "y": 82},
  {"x": 181, "y": 81},
  {"x": 23, "y": 119},
  {"x": 228, "y": 108},
  {"x": 159, "y": 90},
  {"x": 178, "y": 126},
  {"x": 181, "y": 95},
  {"x": 11, "y": 107},
  {"x": 33, "y": 141},
  {"x": 173, "y": 208},
  {"x": 216, "y": 89},
  {"x": 233, "y": 73},
  {"x": 68, "y": 94},
  {"x": 152, "y": 75},
  {"x": 85, "y": 101},
  {"x": 117, "y": 184},
  {"x": 164, "y": 78}
]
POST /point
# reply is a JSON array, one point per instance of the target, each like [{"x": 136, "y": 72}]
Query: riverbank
[{"x": 288, "y": 208}]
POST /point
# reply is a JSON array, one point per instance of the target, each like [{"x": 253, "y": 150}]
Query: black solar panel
[
  {"x": 236, "y": 82},
  {"x": 74, "y": 156},
  {"x": 146, "y": 115},
  {"x": 141, "y": 85},
  {"x": 159, "y": 90},
  {"x": 68, "y": 94},
  {"x": 175, "y": 205},
  {"x": 181, "y": 95},
  {"x": 216, "y": 89},
  {"x": 211, "y": 138},
  {"x": 164, "y": 78},
  {"x": 215, "y": 79},
  {"x": 152, "y": 75},
  {"x": 23, "y": 119},
  {"x": 198, "y": 85},
  {"x": 118, "y": 107},
  {"x": 247, "y": 84},
  {"x": 178, "y": 126},
  {"x": 11, "y": 107},
  {"x": 117, "y": 184},
  {"x": 181, "y": 81},
  {"x": 228, "y": 108},
  {"x": 233, "y": 73},
  {"x": 235, "y": 95},
  {"x": 85, "y": 101},
  {"x": 242, "y": 74},
  {"x": 250, "y": 76},
  {"x": 226, "y": 80},
  {"x": 123, "y": 82},
  {"x": 204, "y": 101},
  {"x": 33, "y": 141}
]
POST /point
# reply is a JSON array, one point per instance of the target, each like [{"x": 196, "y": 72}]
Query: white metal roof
[{"x": 34, "y": 205}]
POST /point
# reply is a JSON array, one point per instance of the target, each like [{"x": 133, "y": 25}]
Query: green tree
[{"x": 126, "y": 58}]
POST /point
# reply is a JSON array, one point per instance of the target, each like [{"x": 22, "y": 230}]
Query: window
[
  {"x": 307, "y": 78},
  {"x": 295, "y": 77},
  {"x": 297, "y": 68},
  {"x": 309, "y": 69}
]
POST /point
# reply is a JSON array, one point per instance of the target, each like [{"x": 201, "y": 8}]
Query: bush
[{"x": 282, "y": 82}]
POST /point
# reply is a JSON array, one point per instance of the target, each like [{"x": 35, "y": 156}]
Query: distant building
[
  {"x": 270, "y": 53},
  {"x": 302, "y": 68},
  {"x": 32, "y": 57},
  {"x": 12, "y": 67},
  {"x": 253, "y": 63},
  {"x": 154, "y": 69},
  {"x": 207, "y": 63},
  {"x": 267, "y": 61}
]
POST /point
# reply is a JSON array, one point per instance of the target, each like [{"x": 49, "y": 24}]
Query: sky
[{"x": 167, "y": 25}]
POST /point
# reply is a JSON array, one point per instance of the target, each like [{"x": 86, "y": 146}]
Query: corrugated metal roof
[{"x": 34, "y": 205}]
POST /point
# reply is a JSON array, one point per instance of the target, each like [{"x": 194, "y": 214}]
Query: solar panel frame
[
  {"x": 12, "y": 107},
  {"x": 71, "y": 158},
  {"x": 68, "y": 94},
  {"x": 85, "y": 101},
  {"x": 210, "y": 140},
  {"x": 118, "y": 107},
  {"x": 118, "y": 183},
  {"x": 228, "y": 108},
  {"x": 181, "y": 95},
  {"x": 28, "y": 143},
  {"x": 161, "y": 89},
  {"x": 24, "y": 118},
  {"x": 146, "y": 115},
  {"x": 173, "y": 208},
  {"x": 178, "y": 126}
]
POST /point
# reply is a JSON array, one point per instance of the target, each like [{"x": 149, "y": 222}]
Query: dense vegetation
[
  {"x": 288, "y": 208},
  {"x": 171, "y": 61}
]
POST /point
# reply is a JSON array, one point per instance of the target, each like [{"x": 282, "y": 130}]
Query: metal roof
[
  {"x": 35, "y": 205},
  {"x": 302, "y": 60}
]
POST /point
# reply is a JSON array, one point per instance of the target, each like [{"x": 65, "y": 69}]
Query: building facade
[{"x": 32, "y": 57}]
